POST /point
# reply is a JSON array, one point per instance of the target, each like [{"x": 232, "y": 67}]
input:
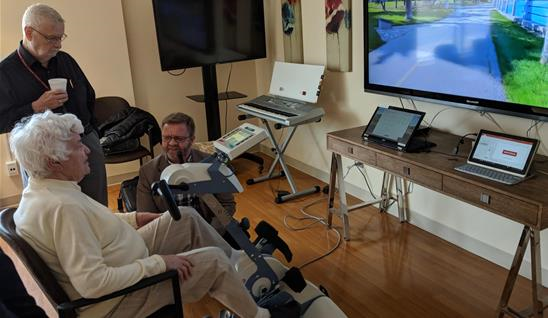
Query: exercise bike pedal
[{"x": 245, "y": 224}]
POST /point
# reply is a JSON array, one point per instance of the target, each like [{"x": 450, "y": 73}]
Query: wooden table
[{"x": 525, "y": 203}]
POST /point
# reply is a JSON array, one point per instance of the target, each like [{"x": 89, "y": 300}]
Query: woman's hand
[{"x": 180, "y": 263}]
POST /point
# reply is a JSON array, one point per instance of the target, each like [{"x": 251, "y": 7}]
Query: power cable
[
  {"x": 316, "y": 220},
  {"x": 227, "y": 97},
  {"x": 492, "y": 119},
  {"x": 177, "y": 74}
]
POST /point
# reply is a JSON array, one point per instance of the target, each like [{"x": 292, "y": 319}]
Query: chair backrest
[
  {"x": 31, "y": 260},
  {"x": 107, "y": 111},
  {"x": 105, "y": 107}
]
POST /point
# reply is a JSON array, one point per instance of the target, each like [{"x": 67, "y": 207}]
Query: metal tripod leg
[
  {"x": 342, "y": 197},
  {"x": 337, "y": 173},
  {"x": 279, "y": 158},
  {"x": 385, "y": 192},
  {"x": 539, "y": 299},
  {"x": 400, "y": 187}
]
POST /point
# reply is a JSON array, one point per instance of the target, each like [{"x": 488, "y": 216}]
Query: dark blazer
[
  {"x": 14, "y": 299},
  {"x": 150, "y": 172}
]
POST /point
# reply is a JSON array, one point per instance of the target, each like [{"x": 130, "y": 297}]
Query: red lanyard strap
[{"x": 32, "y": 72}]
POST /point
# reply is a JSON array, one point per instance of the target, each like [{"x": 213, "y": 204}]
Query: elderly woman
[{"x": 93, "y": 251}]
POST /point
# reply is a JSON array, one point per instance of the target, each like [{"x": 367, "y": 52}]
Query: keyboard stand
[{"x": 279, "y": 158}]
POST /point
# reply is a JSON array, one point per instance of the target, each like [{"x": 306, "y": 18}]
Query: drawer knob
[
  {"x": 407, "y": 171},
  {"x": 350, "y": 150},
  {"x": 485, "y": 198}
]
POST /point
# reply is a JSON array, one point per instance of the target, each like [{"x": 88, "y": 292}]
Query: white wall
[{"x": 347, "y": 105}]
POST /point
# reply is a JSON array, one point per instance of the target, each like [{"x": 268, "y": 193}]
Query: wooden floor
[{"x": 388, "y": 269}]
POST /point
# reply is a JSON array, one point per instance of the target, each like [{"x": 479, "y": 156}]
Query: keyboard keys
[
  {"x": 276, "y": 111},
  {"x": 489, "y": 174}
]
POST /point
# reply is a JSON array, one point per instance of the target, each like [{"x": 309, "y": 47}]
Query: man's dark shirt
[
  {"x": 19, "y": 88},
  {"x": 14, "y": 299}
]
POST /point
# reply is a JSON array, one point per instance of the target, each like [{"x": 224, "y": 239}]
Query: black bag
[{"x": 127, "y": 195}]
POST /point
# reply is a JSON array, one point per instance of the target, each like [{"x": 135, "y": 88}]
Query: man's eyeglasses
[
  {"x": 51, "y": 39},
  {"x": 167, "y": 139}
]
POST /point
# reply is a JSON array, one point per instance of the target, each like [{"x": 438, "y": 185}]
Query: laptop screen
[
  {"x": 395, "y": 125},
  {"x": 503, "y": 151}
]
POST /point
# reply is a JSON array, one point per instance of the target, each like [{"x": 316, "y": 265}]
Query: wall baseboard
[
  {"x": 484, "y": 250},
  {"x": 11, "y": 201},
  {"x": 117, "y": 179}
]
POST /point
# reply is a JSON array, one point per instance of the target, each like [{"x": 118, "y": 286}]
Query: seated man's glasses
[
  {"x": 167, "y": 139},
  {"x": 51, "y": 39}
]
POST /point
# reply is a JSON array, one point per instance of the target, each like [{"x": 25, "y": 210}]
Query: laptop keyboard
[{"x": 489, "y": 174}]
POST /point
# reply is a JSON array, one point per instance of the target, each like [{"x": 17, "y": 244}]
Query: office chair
[
  {"x": 55, "y": 293},
  {"x": 106, "y": 110}
]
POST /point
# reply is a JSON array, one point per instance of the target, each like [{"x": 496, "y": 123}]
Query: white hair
[
  {"x": 35, "y": 14},
  {"x": 42, "y": 137}
]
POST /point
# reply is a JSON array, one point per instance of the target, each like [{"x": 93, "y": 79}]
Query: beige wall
[
  {"x": 347, "y": 105},
  {"x": 96, "y": 39}
]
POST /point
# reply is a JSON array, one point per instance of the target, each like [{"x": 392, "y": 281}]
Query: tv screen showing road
[{"x": 471, "y": 49}]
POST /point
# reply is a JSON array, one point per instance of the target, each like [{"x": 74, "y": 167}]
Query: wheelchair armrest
[{"x": 69, "y": 307}]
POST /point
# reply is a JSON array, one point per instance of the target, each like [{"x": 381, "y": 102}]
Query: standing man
[
  {"x": 178, "y": 135},
  {"x": 24, "y": 87}
]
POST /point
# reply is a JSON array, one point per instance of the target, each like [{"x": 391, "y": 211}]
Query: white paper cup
[{"x": 58, "y": 84}]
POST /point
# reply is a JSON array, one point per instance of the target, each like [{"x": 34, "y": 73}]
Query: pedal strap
[
  {"x": 304, "y": 306},
  {"x": 294, "y": 279},
  {"x": 267, "y": 231}
]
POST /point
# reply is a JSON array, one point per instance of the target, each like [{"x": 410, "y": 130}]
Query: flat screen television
[
  {"x": 193, "y": 33},
  {"x": 468, "y": 53}
]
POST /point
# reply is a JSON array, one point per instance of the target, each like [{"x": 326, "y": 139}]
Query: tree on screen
[
  {"x": 544, "y": 54},
  {"x": 408, "y": 10}
]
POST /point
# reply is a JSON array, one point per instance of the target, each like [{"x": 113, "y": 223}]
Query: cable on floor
[{"x": 316, "y": 220}]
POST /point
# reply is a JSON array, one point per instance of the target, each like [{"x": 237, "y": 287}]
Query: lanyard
[{"x": 32, "y": 72}]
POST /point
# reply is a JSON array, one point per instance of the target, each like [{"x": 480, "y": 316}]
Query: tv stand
[
  {"x": 211, "y": 99},
  {"x": 221, "y": 96}
]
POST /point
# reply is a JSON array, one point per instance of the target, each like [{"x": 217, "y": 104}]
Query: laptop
[
  {"x": 500, "y": 157},
  {"x": 293, "y": 94},
  {"x": 392, "y": 127}
]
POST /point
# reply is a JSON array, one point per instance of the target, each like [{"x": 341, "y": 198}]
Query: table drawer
[
  {"x": 518, "y": 210},
  {"x": 428, "y": 178},
  {"x": 351, "y": 151}
]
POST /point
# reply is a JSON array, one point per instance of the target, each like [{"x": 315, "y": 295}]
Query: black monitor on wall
[
  {"x": 471, "y": 54},
  {"x": 193, "y": 33},
  {"x": 203, "y": 33}
]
